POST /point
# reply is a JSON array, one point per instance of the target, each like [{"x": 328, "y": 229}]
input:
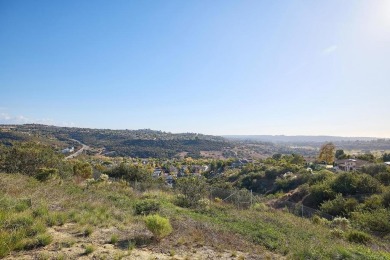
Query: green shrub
[
  {"x": 28, "y": 158},
  {"x": 338, "y": 233},
  {"x": 88, "y": 231},
  {"x": 353, "y": 183},
  {"x": 339, "y": 206},
  {"x": 320, "y": 176},
  {"x": 384, "y": 178},
  {"x": 89, "y": 249},
  {"x": 358, "y": 237},
  {"x": 374, "y": 202},
  {"x": 375, "y": 220},
  {"x": 159, "y": 226},
  {"x": 260, "y": 207},
  {"x": 193, "y": 189},
  {"x": 319, "y": 193},
  {"x": 19, "y": 221},
  {"x": 41, "y": 211},
  {"x": 218, "y": 200},
  {"x": 44, "y": 239},
  {"x": 181, "y": 201},
  {"x": 341, "y": 223},
  {"x": 23, "y": 204},
  {"x": 44, "y": 174},
  {"x": 386, "y": 199},
  {"x": 146, "y": 207},
  {"x": 114, "y": 239},
  {"x": 56, "y": 219}
]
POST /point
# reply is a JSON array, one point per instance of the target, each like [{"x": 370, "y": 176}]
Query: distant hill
[
  {"x": 142, "y": 143},
  {"x": 296, "y": 138},
  {"x": 300, "y": 143}
]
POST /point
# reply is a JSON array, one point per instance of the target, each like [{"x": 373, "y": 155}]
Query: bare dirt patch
[{"x": 69, "y": 242}]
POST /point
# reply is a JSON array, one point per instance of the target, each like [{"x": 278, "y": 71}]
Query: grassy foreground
[{"x": 29, "y": 208}]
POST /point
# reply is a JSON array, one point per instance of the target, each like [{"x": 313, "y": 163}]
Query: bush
[
  {"x": 358, "y": 237},
  {"x": 28, "y": 158},
  {"x": 89, "y": 249},
  {"x": 319, "y": 193},
  {"x": 320, "y": 221},
  {"x": 114, "y": 239},
  {"x": 372, "y": 203},
  {"x": 146, "y": 207},
  {"x": 320, "y": 176},
  {"x": 375, "y": 220},
  {"x": 88, "y": 231},
  {"x": 386, "y": 199},
  {"x": 131, "y": 173},
  {"x": 338, "y": 233},
  {"x": 341, "y": 223},
  {"x": 46, "y": 173},
  {"x": 384, "y": 178},
  {"x": 260, "y": 207},
  {"x": 339, "y": 206},
  {"x": 353, "y": 183},
  {"x": 159, "y": 226},
  {"x": 82, "y": 169},
  {"x": 193, "y": 189}
]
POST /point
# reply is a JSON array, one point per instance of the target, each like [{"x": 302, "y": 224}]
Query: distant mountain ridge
[{"x": 296, "y": 138}]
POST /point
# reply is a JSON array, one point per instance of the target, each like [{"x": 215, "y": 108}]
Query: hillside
[
  {"x": 102, "y": 207},
  {"x": 102, "y": 220},
  {"x": 135, "y": 143}
]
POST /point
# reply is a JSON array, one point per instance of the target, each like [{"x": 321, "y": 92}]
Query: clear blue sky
[{"x": 214, "y": 67}]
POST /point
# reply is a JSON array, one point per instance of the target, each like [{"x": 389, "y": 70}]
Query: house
[
  {"x": 350, "y": 164},
  {"x": 157, "y": 173},
  {"x": 68, "y": 150},
  {"x": 239, "y": 163}
]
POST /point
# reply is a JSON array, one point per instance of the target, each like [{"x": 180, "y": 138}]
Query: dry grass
[{"x": 103, "y": 215}]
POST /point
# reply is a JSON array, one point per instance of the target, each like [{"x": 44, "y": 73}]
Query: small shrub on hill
[
  {"x": 374, "y": 221},
  {"x": 146, "y": 207},
  {"x": 159, "y": 226},
  {"x": 358, "y": 237},
  {"x": 46, "y": 173},
  {"x": 341, "y": 223},
  {"x": 337, "y": 233},
  {"x": 339, "y": 206},
  {"x": 192, "y": 189}
]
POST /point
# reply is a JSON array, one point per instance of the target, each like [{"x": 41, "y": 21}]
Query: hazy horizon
[{"x": 220, "y": 68}]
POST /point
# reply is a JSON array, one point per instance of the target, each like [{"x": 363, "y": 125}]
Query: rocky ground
[{"x": 70, "y": 243}]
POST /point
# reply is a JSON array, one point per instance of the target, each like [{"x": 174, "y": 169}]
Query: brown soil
[{"x": 70, "y": 243}]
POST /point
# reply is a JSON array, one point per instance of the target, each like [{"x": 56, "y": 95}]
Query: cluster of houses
[
  {"x": 170, "y": 174},
  {"x": 349, "y": 165}
]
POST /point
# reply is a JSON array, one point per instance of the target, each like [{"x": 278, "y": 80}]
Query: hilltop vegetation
[{"x": 135, "y": 143}]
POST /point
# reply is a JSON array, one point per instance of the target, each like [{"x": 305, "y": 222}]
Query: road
[{"x": 78, "y": 152}]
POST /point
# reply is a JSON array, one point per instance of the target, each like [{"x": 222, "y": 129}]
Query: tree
[
  {"x": 327, "y": 152},
  {"x": 386, "y": 157},
  {"x": 277, "y": 156},
  {"x": 367, "y": 157},
  {"x": 340, "y": 154}
]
